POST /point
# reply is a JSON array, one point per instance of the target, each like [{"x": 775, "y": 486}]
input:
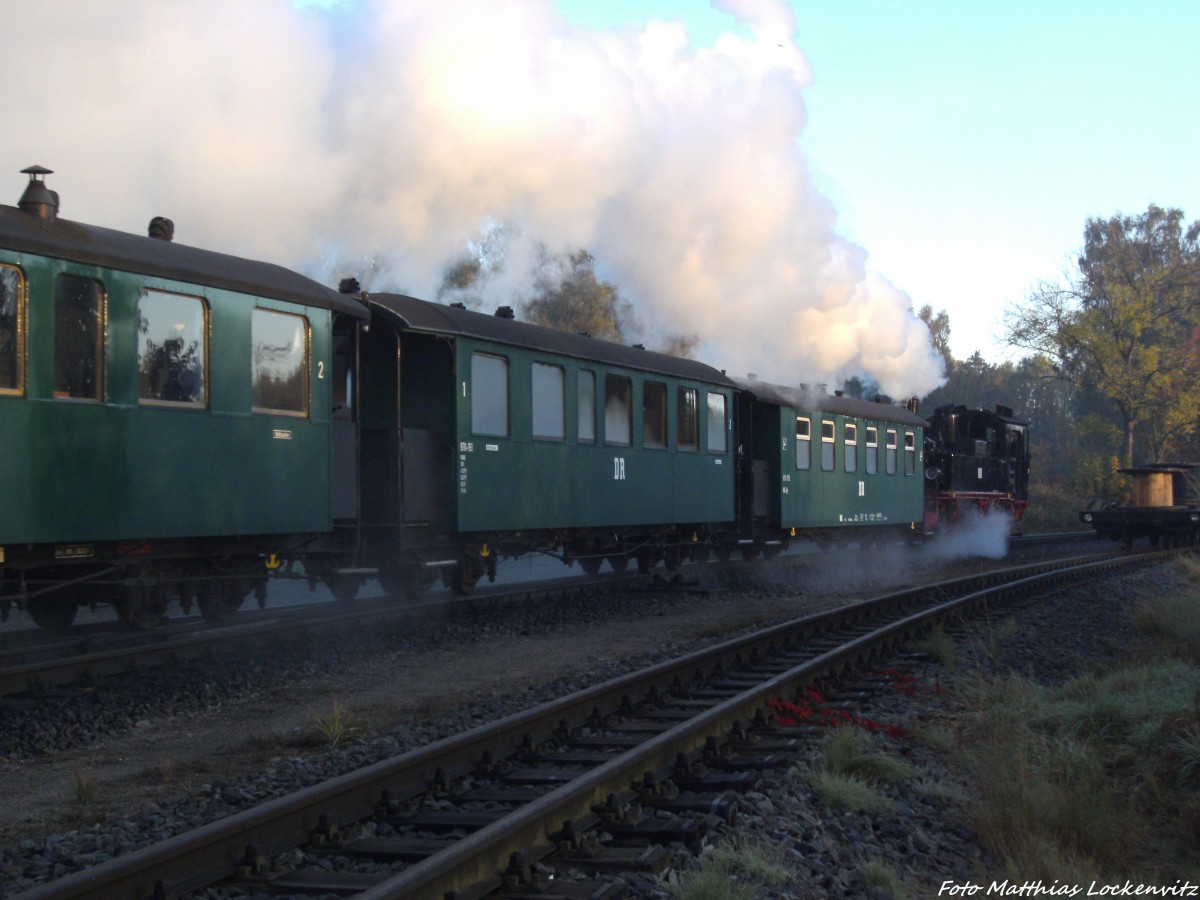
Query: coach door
[{"x": 344, "y": 427}]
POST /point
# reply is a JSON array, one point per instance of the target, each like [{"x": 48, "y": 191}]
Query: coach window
[
  {"x": 890, "y": 452},
  {"x": 549, "y": 403},
  {"x": 850, "y": 445},
  {"x": 872, "y": 450},
  {"x": 78, "y": 338},
  {"x": 687, "y": 420},
  {"x": 586, "y": 387},
  {"x": 803, "y": 443},
  {"x": 716, "y": 424},
  {"x": 279, "y": 350},
  {"x": 654, "y": 415},
  {"x": 489, "y": 394},
  {"x": 171, "y": 349},
  {"x": 12, "y": 330},
  {"x": 618, "y": 410},
  {"x": 827, "y": 446},
  {"x": 910, "y": 453}
]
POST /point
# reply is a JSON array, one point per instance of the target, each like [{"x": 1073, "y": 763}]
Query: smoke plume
[{"x": 398, "y": 132}]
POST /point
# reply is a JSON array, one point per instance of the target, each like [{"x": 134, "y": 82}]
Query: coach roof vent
[
  {"x": 161, "y": 229},
  {"x": 38, "y": 200},
  {"x": 505, "y": 312}
]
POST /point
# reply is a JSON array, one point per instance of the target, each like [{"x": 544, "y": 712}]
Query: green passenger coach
[
  {"x": 157, "y": 402},
  {"x": 513, "y": 437},
  {"x": 831, "y": 468}
]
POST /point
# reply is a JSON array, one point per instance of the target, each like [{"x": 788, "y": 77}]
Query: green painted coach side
[
  {"x": 584, "y": 484},
  {"x": 814, "y": 498},
  {"x": 116, "y": 469}
]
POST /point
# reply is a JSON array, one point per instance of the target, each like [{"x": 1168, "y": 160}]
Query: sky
[{"x": 788, "y": 181}]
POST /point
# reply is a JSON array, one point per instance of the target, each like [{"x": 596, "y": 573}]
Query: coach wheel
[
  {"x": 143, "y": 607},
  {"x": 619, "y": 563},
  {"x": 219, "y": 601},
  {"x": 590, "y": 564},
  {"x": 1127, "y": 542},
  {"x": 53, "y": 613},
  {"x": 463, "y": 583},
  {"x": 344, "y": 589},
  {"x": 466, "y": 574},
  {"x": 646, "y": 560}
]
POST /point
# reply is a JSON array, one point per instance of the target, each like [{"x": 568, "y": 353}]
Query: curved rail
[{"x": 216, "y": 851}]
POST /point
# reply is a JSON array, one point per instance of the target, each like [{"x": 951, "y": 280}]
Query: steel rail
[{"x": 215, "y": 851}]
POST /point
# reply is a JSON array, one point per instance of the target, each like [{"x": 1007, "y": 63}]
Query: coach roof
[
  {"x": 820, "y": 401},
  {"x": 412, "y": 314},
  {"x": 24, "y": 232}
]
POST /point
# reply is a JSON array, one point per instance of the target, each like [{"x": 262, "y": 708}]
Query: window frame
[
  {"x": 586, "y": 411},
  {"x": 202, "y": 402},
  {"x": 659, "y": 416},
  {"x": 480, "y": 399},
  {"x": 610, "y": 379},
  {"x": 890, "y": 452},
  {"x": 708, "y": 421},
  {"x": 850, "y": 446},
  {"x": 534, "y": 402},
  {"x": 872, "y": 450},
  {"x": 17, "y": 389},
  {"x": 101, "y": 340},
  {"x": 687, "y": 424},
  {"x": 805, "y": 441},
  {"x": 910, "y": 454},
  {"x": 305, "y": 367},
  {"x": 828, "y": 445}
]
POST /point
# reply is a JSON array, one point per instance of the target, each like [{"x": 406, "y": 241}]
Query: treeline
[{"x": 1112, "y": 375}]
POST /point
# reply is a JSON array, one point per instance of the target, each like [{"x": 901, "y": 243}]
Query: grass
[
  {"x": 940, "y": 647},
  {"x": 87, "y": 790},
  {"x": 849, "y": 773},
  {"x": 883, "y": 877},
  {"x": 738, "y": 869},
  {"x": 1098, "y": 778},
  {"x": 336, "y": 727}
]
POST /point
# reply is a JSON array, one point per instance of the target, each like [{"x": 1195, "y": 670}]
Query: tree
[
  {"x": 939, "y": 333},
  {"x": 1126, "y": 325},
  {"x": 568, "y": 296}
]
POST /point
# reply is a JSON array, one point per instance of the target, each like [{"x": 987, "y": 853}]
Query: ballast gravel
[{"x": 200, "y": 749}]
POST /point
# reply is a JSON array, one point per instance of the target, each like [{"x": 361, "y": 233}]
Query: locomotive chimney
[
  {"x": 161, "y": 229},
  {"x": 38, "y": 200}
]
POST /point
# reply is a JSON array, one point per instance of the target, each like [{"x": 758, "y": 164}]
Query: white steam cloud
[{"x": 399, "y": 130}]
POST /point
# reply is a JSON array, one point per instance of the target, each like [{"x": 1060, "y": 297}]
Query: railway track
[
  {"x": 644, "y": 760},
  {"x": 32, "y": 661}
]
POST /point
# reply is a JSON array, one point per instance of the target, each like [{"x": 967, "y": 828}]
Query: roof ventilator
[
  {"x": 38, "y": 200},
  {"x": 161, "y": 229}
]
